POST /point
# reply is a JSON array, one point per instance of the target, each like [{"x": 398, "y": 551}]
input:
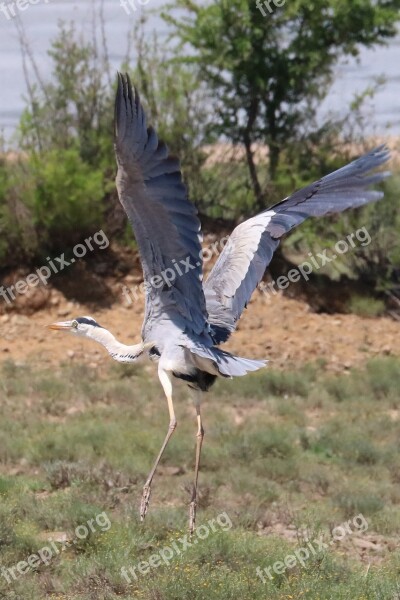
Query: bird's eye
[{"x": 74, "y": 324}]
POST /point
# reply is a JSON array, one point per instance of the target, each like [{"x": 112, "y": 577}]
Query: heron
[{"x": 187, "y": 319}]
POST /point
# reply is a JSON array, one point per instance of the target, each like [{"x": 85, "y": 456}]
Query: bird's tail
[{"x": 219, "y": 362}]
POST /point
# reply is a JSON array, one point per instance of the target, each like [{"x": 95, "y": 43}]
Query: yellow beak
[{"x": 61, "y": 325}]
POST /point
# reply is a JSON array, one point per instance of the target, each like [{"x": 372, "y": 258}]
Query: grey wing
[
  {"x": 249, "y": 250},
  {"x": 165, "y": 223}
]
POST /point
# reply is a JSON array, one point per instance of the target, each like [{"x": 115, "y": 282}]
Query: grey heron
[{"x": 185, "y": 319}]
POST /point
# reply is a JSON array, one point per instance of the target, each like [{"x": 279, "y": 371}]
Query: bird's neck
[{"x": 118, "y": 351}]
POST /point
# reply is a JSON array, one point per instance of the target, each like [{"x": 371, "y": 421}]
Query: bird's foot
[
  {"x": 192, "y": 516},
  {"x": 144, "y": 504}
]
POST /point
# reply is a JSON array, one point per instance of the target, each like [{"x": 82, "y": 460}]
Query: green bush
[
  {"x": 68, "y": 195},
  {"x": 365, "y": 306},
  {"x": 18, "y": 238}
]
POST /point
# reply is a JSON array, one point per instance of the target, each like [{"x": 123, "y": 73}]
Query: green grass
[
  {"x": 284, "y": 454},
  {"x": 366, "y": 306}
]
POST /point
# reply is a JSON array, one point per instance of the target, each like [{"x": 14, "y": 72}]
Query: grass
[
  {"x": 285, "y": 455},
  {"x": 366, "y": 306}
]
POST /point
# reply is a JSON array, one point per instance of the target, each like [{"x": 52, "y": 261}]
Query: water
[{"x": 40, "y": 22}]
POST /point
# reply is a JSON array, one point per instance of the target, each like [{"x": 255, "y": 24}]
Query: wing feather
[
  {"x": 165, "y": 223},
  {"x": 247, "y": 254}
]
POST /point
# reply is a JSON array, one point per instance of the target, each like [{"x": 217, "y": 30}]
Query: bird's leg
[
  {"x": 167, "y": 385},
  {"x": 199, "y": 442}
]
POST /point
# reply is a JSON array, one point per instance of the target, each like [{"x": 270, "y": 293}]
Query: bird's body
[{"x": 186, "y": 319}]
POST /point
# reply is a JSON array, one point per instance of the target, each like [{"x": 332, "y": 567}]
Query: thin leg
[
  {"x": 199, "y": 442},
  {"x": 167, "y": 385}
]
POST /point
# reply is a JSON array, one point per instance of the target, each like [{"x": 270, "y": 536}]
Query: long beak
[{"x": 63, "y": 325}]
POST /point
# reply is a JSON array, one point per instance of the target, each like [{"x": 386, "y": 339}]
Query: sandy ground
[{"x": 278, "y": 328}]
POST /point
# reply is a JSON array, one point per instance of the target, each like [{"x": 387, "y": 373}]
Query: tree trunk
[
  {"x": 274, "y": 152},
  {"x": 252, "y": 115},
  {"x": 274, "y": 149}
]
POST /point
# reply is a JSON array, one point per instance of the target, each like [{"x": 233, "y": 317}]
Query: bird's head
[
  {"x": 89, "y": 328},
  {"x": 83, "y": 326}
]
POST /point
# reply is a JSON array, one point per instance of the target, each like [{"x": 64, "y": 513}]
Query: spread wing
[
  {"x": 165, "y": 223},
  {"x": 242, "y": 263}
]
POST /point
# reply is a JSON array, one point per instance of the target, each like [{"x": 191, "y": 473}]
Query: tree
[
  {"x": 269, "y": 66},
  {"x": 73, "y": 109}
]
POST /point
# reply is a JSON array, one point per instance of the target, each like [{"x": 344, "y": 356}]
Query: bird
[{"x": 187, "y": 319}]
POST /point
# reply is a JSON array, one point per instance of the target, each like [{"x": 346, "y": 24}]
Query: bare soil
[{"x": 286, "y": 330}]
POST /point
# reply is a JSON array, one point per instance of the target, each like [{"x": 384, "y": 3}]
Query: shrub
[
  {"x": 67, "y": 198},
  {"x": 365, "y": 306}
]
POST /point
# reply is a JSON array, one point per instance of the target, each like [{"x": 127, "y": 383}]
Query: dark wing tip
[
  {"x": 379, "y": 155},
  {"x": 118, "y": 106},
  {"x": 126, "y": 104},
  {"x": 373, "y": 159},
  {"x": 360, "y": 168}
]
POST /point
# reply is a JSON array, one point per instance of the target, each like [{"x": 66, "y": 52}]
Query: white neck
[{"x": 118, "y": 351}]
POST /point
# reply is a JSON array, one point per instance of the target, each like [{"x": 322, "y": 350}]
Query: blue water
[{"x": 40, "y": 23}]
